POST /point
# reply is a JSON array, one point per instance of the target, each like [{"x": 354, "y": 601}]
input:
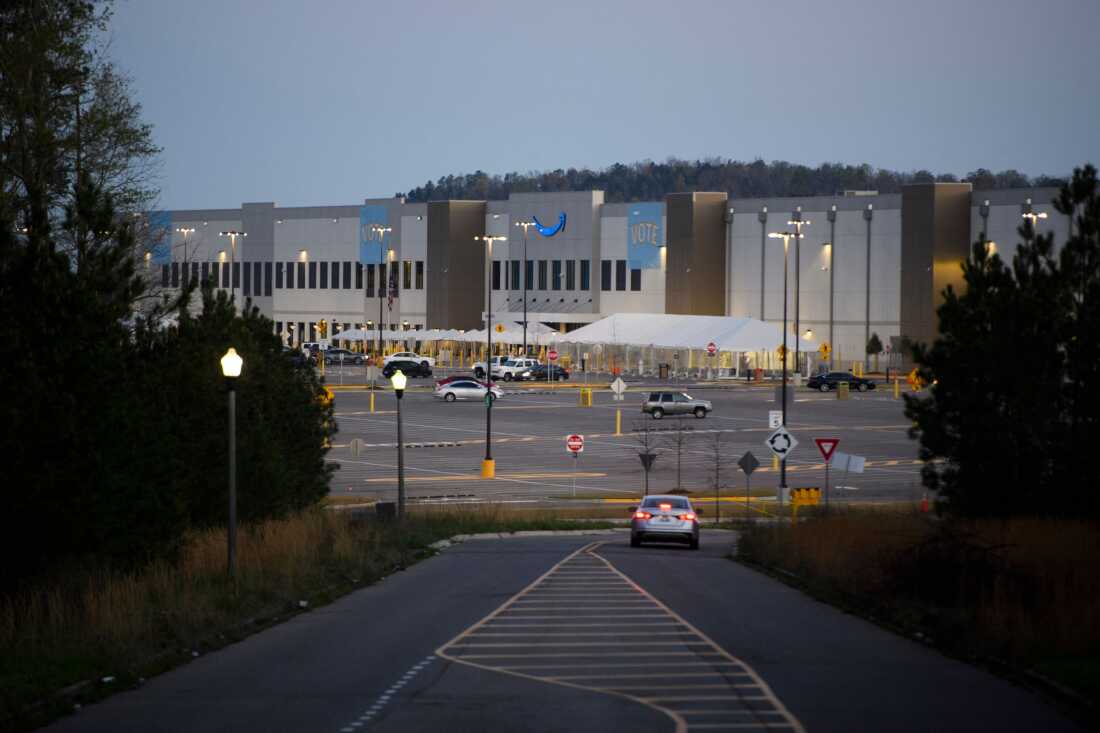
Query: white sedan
[
  {"x": 424, "y": 361},
  {"x": 465, "y": 389}
]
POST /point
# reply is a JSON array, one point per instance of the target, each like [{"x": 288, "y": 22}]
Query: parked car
[
  {"x": 425, "y": 361},
  {"x": 514, "y": 368},
  {"x": 539, "y": 373},
  {"x": 826, "y": 382},
  {"x": 665, "y": 519},
  {"x": 338, "y": 356},
  {"x": 659, "y": 404},
  {"x": 465, "y": 389},
  {"x": 297, "y": 356},
  {"x": 408, "y": 368},
  {"x": 496, "y": 361}
]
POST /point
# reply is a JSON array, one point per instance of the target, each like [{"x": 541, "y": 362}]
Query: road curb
[{"x": 456, "y": 539}]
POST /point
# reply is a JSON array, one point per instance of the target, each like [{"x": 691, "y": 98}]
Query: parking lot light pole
[
  {"x": 797, "y": 222},
  {"x": 786, "y": 237},
  {"x": 488, "y": 466},
  {"x": 381, "y": 231},
  {"x": 231, "y": 369},
  {"x": 398, "y": 380},
  {"x": 232, "y": 234},
  {"x": 526, "y": 225}
]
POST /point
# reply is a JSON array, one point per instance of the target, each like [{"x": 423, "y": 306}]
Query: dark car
[
  {"x": 408, "y": 368},
  {"x": 297, "y": 358},
  {"x": 539, "y": 373},
  {"x": 826, "y": 382},
  {"x": 337, "y": 356}
]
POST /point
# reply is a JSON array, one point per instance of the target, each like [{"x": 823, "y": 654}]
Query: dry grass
[
  {"x": 90, "y": 624},
  {"x": 1023, "y": 590}
]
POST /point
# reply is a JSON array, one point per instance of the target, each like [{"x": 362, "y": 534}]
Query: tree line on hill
[{"x": 649, "y": 181}]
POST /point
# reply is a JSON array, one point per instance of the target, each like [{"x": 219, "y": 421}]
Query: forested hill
[{"x": 648, "y": 181}]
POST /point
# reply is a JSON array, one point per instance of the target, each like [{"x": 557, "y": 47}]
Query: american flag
[{"x": 393, "y": 288}]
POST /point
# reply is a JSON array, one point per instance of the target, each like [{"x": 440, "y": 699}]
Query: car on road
[
  {"x": 542, "y": 373},
  {"x": 425, "y": 361},
  {"x": 514, "y": 368},
  {"x": 342, "y": 356},
  {"x": 465, "y": 389},
  {"x": 457, "y": 377},
  {"x": 659, "y": 404},
  {"x": 408, "y": 368},
  {"x": 496, "y": 361},
  {"x": 829, "y": 381},
  {"x": 663, "y": 518}
]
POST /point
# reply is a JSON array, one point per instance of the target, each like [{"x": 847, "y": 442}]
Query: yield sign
[
  {"x": 826, "y": 446},
  {"x": 781, "y": 442}
]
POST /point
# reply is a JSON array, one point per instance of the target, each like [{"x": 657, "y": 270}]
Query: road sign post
[
  {"x": 827, "y": 446},
  {"x": 575, "y": 444},
  {"x": 618, "y": 387},
  {"x": 647, "y": 464},
  {"x": 748, "y": 464},
  {"x": 781, "y": 443}
]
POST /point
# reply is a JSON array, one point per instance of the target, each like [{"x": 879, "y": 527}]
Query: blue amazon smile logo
[{"x": 550, "y": 231}]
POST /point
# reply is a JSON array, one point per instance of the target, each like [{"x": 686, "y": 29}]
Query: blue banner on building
[
  {"x": 644, "y": 236},
  {"x": 372, "y": 241},
  {"x": 159, "y": 244}
]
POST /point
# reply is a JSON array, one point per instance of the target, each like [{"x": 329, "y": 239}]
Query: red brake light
[
  {"x": 642, "y": 515},
  {"x": 689, "y": 515}
]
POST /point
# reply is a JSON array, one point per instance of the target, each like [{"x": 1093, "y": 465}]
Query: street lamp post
[
  {"x": 231, "y": 369},
  {"x": 785, "y": 236},
  {"x": 232, "y": 234},
  {"x": 186, "y": 232},
  {"x": 797, "y": 222},
  {"x": 398, "y": 380},
  {"x": 381, "y": 231},
  {"x": 526, "y": 225},
  {"x": 488, "y": 466}
]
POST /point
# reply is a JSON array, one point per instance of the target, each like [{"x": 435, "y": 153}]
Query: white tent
[
  {"x": 354, "y": 334},
  {"x": 667, "y": 331}
]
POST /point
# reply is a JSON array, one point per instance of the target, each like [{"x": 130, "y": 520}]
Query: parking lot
[{"x": 445, "y": 443}]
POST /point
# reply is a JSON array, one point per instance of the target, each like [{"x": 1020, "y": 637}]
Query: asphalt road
[
  {"x": 573, "y": 634},
  {"x": 445, "y": 443}
]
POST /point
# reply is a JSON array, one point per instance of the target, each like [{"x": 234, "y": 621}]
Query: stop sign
[
  {"x": 712, "y": 348},
  {"x": 553, "y": 355},
  {"x": 575, "y": 444}
]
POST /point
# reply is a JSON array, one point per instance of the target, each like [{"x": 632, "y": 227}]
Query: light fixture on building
[
  {"x": 809, "y": 334},
  {"x": 303, "y": 255},
  {"x": 221, "y": 255}
]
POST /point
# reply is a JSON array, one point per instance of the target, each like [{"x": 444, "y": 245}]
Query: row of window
[
  {"x": 255, "y": 278},
  {"x": 620, "y": 276},
  {"x": 554, "y": 268},
  {"x": 303, "y": 331}
]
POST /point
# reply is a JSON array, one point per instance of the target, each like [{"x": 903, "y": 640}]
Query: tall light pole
[
  {"x": 786, "y": 237},
  {"x": 831, "y": 215},
  {"x": 526, "y": 225},
  {"x": 232, "y": 234},
  {"x": 797, "y": 222},
  {"x": 381, "y": 231},
  {"x": 231, "y": 369},
  {"x": 488, "y": 466},
  {"x": 186, "y": 232},
  {"x": 398, "y": 380}
]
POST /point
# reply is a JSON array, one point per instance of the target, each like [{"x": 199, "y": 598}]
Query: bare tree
[
  {"x": 719, "y": 462},
  {"x": 677, "y": 440},
  {"x": 646, "y": 442}
]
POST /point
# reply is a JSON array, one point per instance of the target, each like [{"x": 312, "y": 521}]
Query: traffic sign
[
  {"x": 826, "y": 446},
  {"x": 575, "y": 444},
  {"x": 748, "y": 463},
  {"x": 647, "y": 460},
  {"x": 775, "y": 418},
  {"x": 712, "y": 348},
  {"x": 553, "y": 355},
  {"x": 781, "y": 442},
  {"x": 618, "y": 386}
]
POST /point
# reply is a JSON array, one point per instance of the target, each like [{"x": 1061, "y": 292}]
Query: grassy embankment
[
  {"x": 1020, "y": 594},
  {"x": 96, "y": 624}
]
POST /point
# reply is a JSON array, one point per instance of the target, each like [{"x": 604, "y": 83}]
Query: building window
[
  {"x": 555, "y": 280},
  {"x": 323, "y": 267},
  {"x": 257, "y": 276},
  {"x": 335, "y": 275},
  {"x": 586, "y": 275},
  {"x": 175, "y": 274},
  {"x": 515, "y": 275},
  {"x": 236, "y": 274},
  {"x": 570, "y": 274},
  {"x": 542, "y": 274},
  {"x": 312, "y": 328},
  {"x": 370, "y": 281},
  {"x": 215, "y": 274},
  {"x": 205, "y": 271},
  {"x": 267, "y": 279},
  {"x": 620, "y": 274},
  {"x": 496, "y": 274},
  {"x": 605, "y": 275},
  {"x": 347, "y": 276},
  {"x": 247, "y": 289},
  {"x": 279, "y": 275},
  {"x": 312, "y": 279},
  {"x": 635, "y": 280},
  {"x": 382, "y": 280},
  {"x": 420, "y": 274},
  {"x": 358, "y": 275},
  {"x": 301, "y": 275},
  {"x": 407, "y": 274},
  {"x": 529, "y": 275},
  {"x": 165, "y": 275},
  {"x": 225, "y": 275},
  {"x": 289, "y": 275}
]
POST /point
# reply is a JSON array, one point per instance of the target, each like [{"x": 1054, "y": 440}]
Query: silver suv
[{"x": 660, "y": 404}]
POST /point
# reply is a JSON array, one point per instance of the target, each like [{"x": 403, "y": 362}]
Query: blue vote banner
[
  {"x": 371, "y": 241},
  {"x": 644, "y": 236},
  {"x": 159, "y": 242}
]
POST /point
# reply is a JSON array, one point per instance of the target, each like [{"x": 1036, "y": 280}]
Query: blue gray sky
[{"x": 331, "y": 102}]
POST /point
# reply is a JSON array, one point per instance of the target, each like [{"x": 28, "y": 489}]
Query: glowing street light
[
  {"x": 232, "y": 364},
  {"x": 398, "y": 380}
]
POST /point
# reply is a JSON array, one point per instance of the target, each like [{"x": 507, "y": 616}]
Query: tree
[
  {"x": 874, "y": 348},
  {"x": 1013, "y": 371}
]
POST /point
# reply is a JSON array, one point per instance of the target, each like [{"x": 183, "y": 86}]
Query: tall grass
[
  {"x": 1023, "y": 590},
  {"x": 89, "y": 623}
]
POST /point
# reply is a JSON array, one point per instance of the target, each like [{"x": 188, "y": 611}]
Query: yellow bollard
[
  {"x": 618, "y": 422},
  {"x": 775, "y": 462},
  {"x": 372, "y": 402},
  {"x": 897, "y": 388},
  {"x": 488, "y": 468}
]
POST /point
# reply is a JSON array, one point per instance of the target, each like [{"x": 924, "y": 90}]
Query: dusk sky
[{"x": 331, "y": 102}]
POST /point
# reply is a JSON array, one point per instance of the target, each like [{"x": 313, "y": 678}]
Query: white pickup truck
[
  {"x": 514, "y": 368},
  {"x": 479, "y": 366}
]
